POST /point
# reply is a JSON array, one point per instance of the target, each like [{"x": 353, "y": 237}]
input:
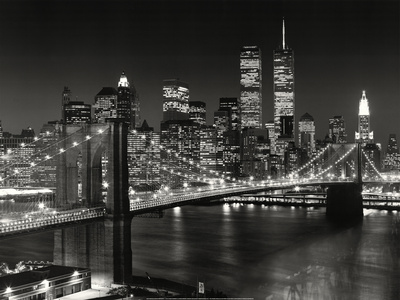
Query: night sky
[{"x": 340, "y": 49}]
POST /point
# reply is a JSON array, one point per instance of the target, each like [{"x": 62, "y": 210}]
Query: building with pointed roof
[
  {"x": 124, "y": 99},
  {"x": 284, "y": 99},
  {"x": 364, "y": 135}
]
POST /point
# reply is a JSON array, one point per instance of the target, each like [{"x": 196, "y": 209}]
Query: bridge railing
[
  {"x": 193, "y": 195},
  {"x": 180, "y": 196},
  {"x": 51, "y": 219}
]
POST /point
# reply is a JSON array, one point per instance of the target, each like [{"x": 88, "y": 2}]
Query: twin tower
[{"x": 251, "y": 92}]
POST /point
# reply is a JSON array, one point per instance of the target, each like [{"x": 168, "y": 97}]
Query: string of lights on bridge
[
  {"x": 309, "y": 163},
  {"x": 32, "y": 162},
  {"x": 47, "y": 157},
  {"x": 10, "y": 153},
  {"x": 331, "y": 161},
  {"x": 188, "y": 174},
  {"x": 372, "y": 164},
  {"x": 189, "y": 163}
]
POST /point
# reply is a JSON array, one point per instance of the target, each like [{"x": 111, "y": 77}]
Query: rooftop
[{"x": 36, "y": 276}]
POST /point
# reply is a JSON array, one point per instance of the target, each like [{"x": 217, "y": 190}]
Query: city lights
[{"x": 181, "y": 170}]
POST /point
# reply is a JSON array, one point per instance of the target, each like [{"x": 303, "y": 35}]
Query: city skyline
[{"x": 341, "y": 49}]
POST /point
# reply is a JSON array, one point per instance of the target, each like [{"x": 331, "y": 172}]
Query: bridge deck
[{"x": 22, "y": 224}]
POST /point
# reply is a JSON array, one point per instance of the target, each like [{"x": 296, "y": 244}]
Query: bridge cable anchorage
[{"x": 40, "y": 156}]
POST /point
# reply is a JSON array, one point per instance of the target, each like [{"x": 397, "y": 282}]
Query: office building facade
[
  {"x": 250, "y": 87},
  {"x": 124, "y": 99},
  {"x": 284, "y": 93},
  {"x": 136, "y": 116},
  {"x": 77, "y": 112},
  {"x": 18, "y": 152},
  {"x": 307, "y": 133},
  {"x": 232, "y": 105},
  {"x": 105, "y": 105},
  {"x": 208, "y": 148},
  {"x": 392, "y": 157},
  {"x": 337, "y": 130},
  {"x": 144, "y": 156},
  {"x": 175, "y": 100},
  {"x": 66, "y": 98},
  {"x": 197, "y": 112}
]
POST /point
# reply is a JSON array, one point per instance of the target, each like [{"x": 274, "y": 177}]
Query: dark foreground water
[{"x": 259, "y": 251}]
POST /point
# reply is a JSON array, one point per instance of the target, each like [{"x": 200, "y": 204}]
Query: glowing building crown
[
  {"x": 364, "y": 107},
  {"x": 123, "y": 81}
]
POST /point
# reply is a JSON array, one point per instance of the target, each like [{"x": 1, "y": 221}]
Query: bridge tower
[
  {"x": 344, "y": 199},
  {"x": 104, "y": 247}
]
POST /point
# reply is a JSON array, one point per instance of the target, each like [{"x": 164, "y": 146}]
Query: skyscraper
[
  {"x": 231, "y": 143},
  {"x": 197, "y": 112},
  {"x": 105, "y": 105},
  {"x": 66, "y": 98},
  {"x": 251, "y": 87},
  {"x": 21, "y": 172},
  {"x": 136, "y": 117},
  {"x": 232, "y": 106},
  {"x": 45, "y": 170},
  {"x": 254, "y": 152},
  {"x": 307, "y": 133},
  {"x": 77, "y": 112},
  {"x": 337, "y": 130},
  {"x": 124, "y": 99},
  {"x": 284, "y": 95},
  {"x": 392, "y": 147},
  {"x": 175, "y": 100},
  {"x": 392, "y": 158},
  {"x": 270, "y": 126},
  {"x": 221, "y": 121},
  {"x": 364, "y": 135},
  {"x": 144, "y": 155},
  {"x": 208, "y": 148},
  {"x": 179, "y": 138}
]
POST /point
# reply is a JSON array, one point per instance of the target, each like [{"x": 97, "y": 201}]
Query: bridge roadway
[
  {"x": 27, "y": 223},
  {"x": 39, "y": 221}
]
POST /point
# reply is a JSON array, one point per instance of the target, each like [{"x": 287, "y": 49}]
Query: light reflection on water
[
  {"x": 265, "y": 252},
  {"x": 281, "y": 253}
]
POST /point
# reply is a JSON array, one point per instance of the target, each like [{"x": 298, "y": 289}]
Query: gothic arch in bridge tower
[
  {"x": 89, "y": 177},
  {"x": 98, "y": 169},
  {"x": 104, "y": 247}
]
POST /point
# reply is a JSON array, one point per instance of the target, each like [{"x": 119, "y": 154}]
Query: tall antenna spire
[{"x": 283, "y": 34}]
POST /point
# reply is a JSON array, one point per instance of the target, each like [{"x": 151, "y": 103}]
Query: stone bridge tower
[{"x": 104, "y": 247}]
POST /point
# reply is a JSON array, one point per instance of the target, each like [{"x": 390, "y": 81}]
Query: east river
[{"x": 262, "y": 252}]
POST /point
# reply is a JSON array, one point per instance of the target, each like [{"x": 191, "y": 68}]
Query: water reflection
[
  {"x": 263, "y": 252},
  {"x": 360, "y": 262}
]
